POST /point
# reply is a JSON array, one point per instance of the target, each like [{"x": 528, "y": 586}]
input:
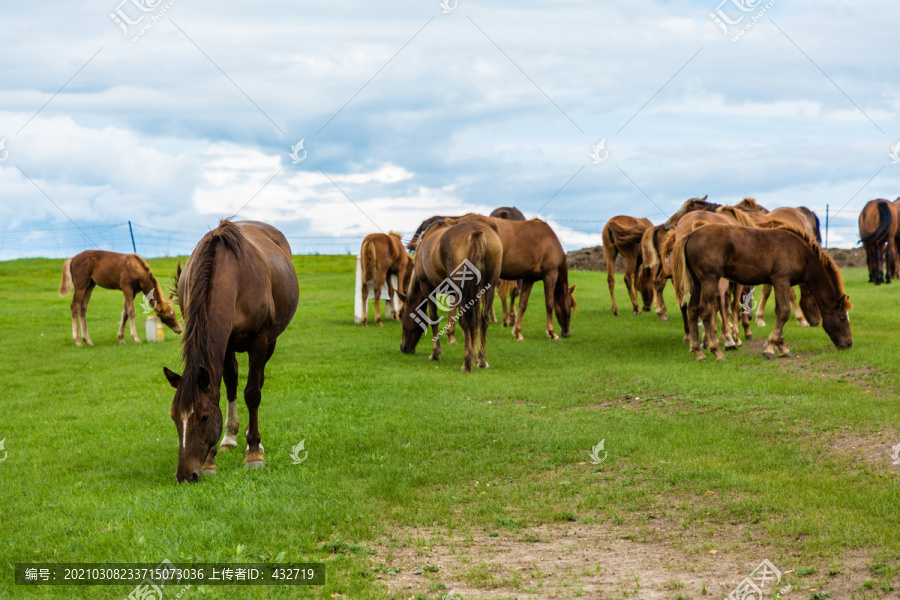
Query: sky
[{"x": 335, "y": 120}]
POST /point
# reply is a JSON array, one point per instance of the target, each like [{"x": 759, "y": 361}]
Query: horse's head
[
  {"x": 563, "y": 305},
  {"x": 412, "y": 321},
  {"x": 809, "y": 306},
  {"x": 166, "y": 312},
  {"x": 836, "y": 322},
  {"x": 198, "y": 420}
]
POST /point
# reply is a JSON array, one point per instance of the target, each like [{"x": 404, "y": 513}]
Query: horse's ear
[
  {"x": 203, "y": 378},
  {"x": 845, "y": 302},
  {"x": 173, "y": 377},
  {"x": 705, "y": 197}
]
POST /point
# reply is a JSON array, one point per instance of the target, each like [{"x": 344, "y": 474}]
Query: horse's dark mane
[{"x": 196, "y": 350}]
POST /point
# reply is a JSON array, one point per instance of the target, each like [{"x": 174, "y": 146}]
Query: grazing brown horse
[
  {"x": 653, "y": 272},
  {"x": 622, "y": 235},
  {"x": 380, "y": 257},
  {"x": 411, "y": 245},
  {"x": 238, "y": 293},
  {"x": 532, "y": 252},
  {"x": 507, "y": 288},
  {"x": 783, "y": 257},
  {"x": 113, "y": 271},
  {"x": 878, "y": 227},
  {"x": 461, "y": 261}
]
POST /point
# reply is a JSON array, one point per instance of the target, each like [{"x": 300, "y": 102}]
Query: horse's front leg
[
  {"x": 379, "y": 283},
  {"x": 782, "y": 315},
  {"x": 435, "y": 334},
  {"x": 129, "y": 310},
  {"x": 722, "y": 304},
  {"x": 691, "y": 312},
  {"x": 631, "y": 277},
  {"x": 798, "y": 314},
  {"x": 710, "y": 298},
  {"x": 232, "y": 423},
  {"x": 259, "y": 354},
  {"x": 549, "y": 287}
]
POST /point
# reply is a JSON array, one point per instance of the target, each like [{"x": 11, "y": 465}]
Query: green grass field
[{"x": 786, "y": 455}]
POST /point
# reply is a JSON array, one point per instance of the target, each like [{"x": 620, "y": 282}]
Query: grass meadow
[{"x": 790, "y": 453}]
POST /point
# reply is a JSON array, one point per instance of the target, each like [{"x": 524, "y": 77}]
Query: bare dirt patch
[
  {"x": 600, "y": 561},
  {"x": 875, "y": 449}
]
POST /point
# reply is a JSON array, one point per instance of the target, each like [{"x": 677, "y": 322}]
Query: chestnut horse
[
  {"x": 532, "y": 252},
  {"x": 460, "y": 261},
  {"x": 622, "y": 235},
  {"x": 507, "y": 288},
  {"x": 238, "y": 292},
  {"x": 783, "y": 257},
  {"x": 113, "y": 271},
  {"x": 878, "y": 233},
  {"x": 380, "y": 257}
]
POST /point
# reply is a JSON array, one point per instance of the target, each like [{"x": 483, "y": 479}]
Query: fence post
[{"x": 131, "y": 231}]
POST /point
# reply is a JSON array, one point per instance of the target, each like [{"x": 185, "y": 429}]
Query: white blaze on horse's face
[{"x": 184, "y": 420}]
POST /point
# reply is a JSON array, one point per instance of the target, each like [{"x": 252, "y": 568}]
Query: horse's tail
[
  {"x": 369, "y": 261},
  {"x": 668, "y": 246},
  {"x": 681, "y": 273},
  {"x": 884, "y": 224},
  {"x": 66, "y": 284},
  {"x": 813, "y": 219},
  {"x": 471, "y": 305},
  {"x": 621, "y": 235},
  {"x": 648, "y": 247}
]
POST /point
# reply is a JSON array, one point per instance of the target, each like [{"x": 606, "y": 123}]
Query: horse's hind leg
[
  {"x": 487, "y": 300},
  {"x": 453, "y": 316},
  {"x": 798, "y": 314},
  {"x": 129, "y": 310},
  {"x": 513, "y": 294},
  {"x": 83, "y": 313},
  {"x": 524, "y": 293},
  {"x": 722, "y": 305},
  {"x": 611, "y": 254},
  {"x": 631, "y": 276},
  {"x": 256, "y": 377},
  {"x": 365, "y": 304},
  {"x": 709, "y": 297},
  {"x": 761, "y": 309},
  {"x": 232, "y": 423},
  {"x": 77, "y": 310},
  {"x": 379, "y": 283},
  {"x": 691, "y": 312}
]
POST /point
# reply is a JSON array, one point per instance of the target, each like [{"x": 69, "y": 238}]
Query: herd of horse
[{"x": 238, "y": 292}]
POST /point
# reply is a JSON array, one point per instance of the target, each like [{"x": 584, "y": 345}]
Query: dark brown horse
[
  {"x": 238, "y": 292},
  {"x": 622, "y": 235},
  {"x": 424, "y": 225},
  {"x": 380, "y": 257},
  {"x": 878, "y": 227},
  {"x": 783, "y": 257},
  {"x": 689, "y": 206},
  {"x": 113, "y": 271},
  {"x": 532, "y": 252},
  {"x": 507, "y": 288},
  {"x": 460, "y": 262}
]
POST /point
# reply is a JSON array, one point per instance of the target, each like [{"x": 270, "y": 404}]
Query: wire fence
[{"x": 68, "y": 240}]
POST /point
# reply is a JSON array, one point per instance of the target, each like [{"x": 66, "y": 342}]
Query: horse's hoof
[
  {"x": 720, "y": 358},
  {"x": 364, "y": 324},
  {"x": 760, "y": 323},
  {"x": 768, "y": 355},
  {"x": 731, "y": 347},
  {"x": 701, "y": 358},
  {"x": 804, "y": 324},
  {"x": 787, "y": 355},
  {"x": 254, "y": 460},
  {"x": 646, "y": 309},
  {"x": 227, "y": 447},
  {"x": 379, "y": 323},
  {"x": 748, "y": 336},
  {"x": 686, "y": 341},
  {"x": 465, "y": 369},
  {"x": 615, "y": 313},
  {"x": 210, "y": 470},
  {"x": 89, "y": 344},
  {"x": 484, "y": 366},
  {"x": 121, "y": 342},
  {"x": 664, "y": 318}
]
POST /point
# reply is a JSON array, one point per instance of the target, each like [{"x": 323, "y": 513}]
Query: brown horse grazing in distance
[
  {"x": 878, "y": 233},
  {"x": 507, "y": 288},
  {"x": 380, "y": 257},
  {"x": 622, "y": 235},
  {"x": 238, "y": 293},
  {"x": 460, "y": 262},
  {"x": 783, "y": 257},
  {"x": 113, "y": 271},
  {"x": 532, "y": 252}
]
